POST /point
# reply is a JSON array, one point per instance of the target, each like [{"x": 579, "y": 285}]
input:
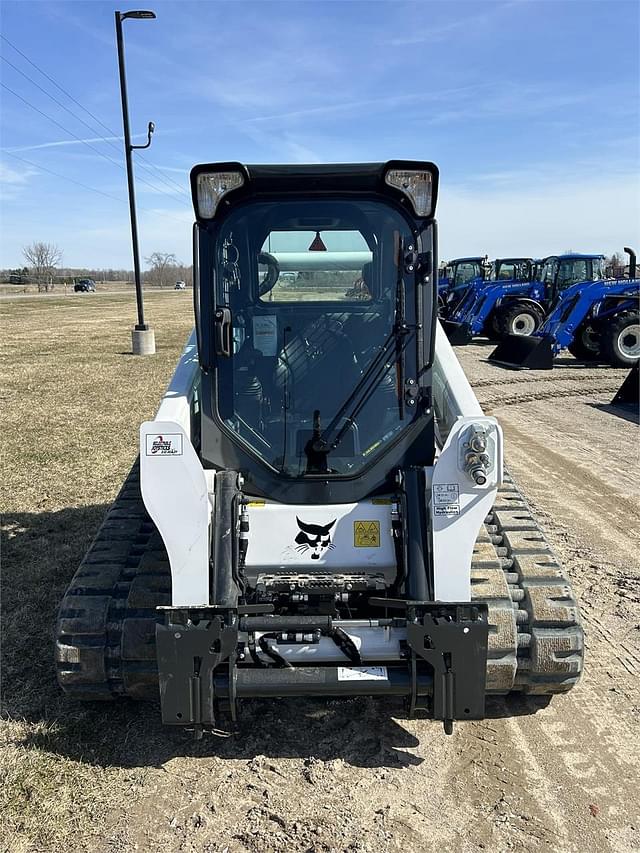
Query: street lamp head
[{"x": 142, "y": 13}]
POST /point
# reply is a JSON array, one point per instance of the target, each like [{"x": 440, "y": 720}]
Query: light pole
[{"x": 143, "y": 338}]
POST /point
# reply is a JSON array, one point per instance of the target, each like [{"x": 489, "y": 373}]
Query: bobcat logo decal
[{"x": 314, "y": 537}]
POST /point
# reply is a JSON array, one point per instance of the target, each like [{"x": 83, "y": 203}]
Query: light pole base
[{"x": 143, "y": 341}]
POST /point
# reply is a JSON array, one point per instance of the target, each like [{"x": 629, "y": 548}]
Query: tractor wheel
[
  {"x": 621, "y": 339},
  {"x": 519, "y": 319},
  {"x": 586, "y": 344},
  {"x": 492, "y": 328}
]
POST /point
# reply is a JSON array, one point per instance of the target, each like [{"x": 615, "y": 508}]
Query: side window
[
  {"x": 466, "y": 272},
  {"x": 597, "y": 270},
  {"x": 507, "y": 272},
  {"x": 316, "y": 266},
  {"x": 549, "y": 272}
]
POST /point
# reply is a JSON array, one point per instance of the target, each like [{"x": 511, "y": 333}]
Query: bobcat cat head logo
[{"x": 314, "y": 537}]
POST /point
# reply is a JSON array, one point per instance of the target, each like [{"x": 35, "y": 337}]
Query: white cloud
[
  {"x": 15, "y": 176},
  {"x": 440, "y": 32},
  {"x": 61, "y": 143},
  {"x": 12, "y": 181}
]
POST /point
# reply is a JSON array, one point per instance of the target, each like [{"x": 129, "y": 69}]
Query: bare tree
[
  {"x": 43, "y": 259},
  {"x": 160, "y": 264},
  {"x": 614, "y": 266}
]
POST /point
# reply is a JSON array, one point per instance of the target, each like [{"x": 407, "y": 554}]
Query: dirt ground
[{"x": 311, "y": 776}]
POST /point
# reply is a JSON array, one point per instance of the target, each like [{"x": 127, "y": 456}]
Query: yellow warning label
[
  {"x": 366, "y": 534},
  {"x": 381, "y": 501},
  {"x": 255, "y": 503}
]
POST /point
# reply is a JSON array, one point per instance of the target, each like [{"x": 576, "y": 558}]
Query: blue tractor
[
  {"x": 458, "y": 275},
  {"x": 518, "y": 307},
  {"x": 594, "y": 320}
]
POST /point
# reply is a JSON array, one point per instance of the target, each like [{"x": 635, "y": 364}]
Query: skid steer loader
[{"x": 319, "y": 506}]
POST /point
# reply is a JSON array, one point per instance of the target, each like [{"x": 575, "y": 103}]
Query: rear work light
[
  {"x": 416, "y": 185},
  {"x": 212, "y": 187}
]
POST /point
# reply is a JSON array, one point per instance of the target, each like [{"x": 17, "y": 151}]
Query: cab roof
[
  {"x": 568, "y": 256},
  {"x": 317, "y": 179}
]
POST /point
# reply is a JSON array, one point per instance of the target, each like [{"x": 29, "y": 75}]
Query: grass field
[{"x": 72, "y": 401}]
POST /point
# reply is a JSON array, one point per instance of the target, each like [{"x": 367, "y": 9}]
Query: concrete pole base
[{"x": 143, "y": 341}]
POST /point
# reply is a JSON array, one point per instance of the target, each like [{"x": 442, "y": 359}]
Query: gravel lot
[{"x": 308, "y": 776}]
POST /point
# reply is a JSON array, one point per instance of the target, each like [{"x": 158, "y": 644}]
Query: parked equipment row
[{"x": 563, "y": 302}]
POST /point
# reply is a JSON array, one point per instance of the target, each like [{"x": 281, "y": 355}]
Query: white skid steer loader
[{"x": 319, "y": 506}]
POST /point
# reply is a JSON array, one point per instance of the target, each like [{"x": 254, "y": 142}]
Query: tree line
[{"x": 44, "y": 269}]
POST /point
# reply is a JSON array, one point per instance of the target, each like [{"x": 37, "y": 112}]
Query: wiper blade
[{"x": 322, "y": 443}]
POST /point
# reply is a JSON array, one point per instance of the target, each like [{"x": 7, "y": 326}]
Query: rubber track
[
  {"x": 536, "y": 642},
  {"x": 105, "y": 644}
]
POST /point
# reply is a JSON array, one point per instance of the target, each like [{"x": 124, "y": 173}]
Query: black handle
[{"x": 222, "y": 332}]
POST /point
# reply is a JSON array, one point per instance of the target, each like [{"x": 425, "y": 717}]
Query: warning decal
[
  {"x": 366, "y": 534},
  {"x": 362, "y": 673},
  {"x": 446, "y": 499}
]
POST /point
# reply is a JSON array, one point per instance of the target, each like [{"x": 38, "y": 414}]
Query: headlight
[
  {"x": 212, "y": 187},
  {"x": 416, "y": 184}
]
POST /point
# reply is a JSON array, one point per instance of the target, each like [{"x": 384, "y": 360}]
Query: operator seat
[{"x": 319, "y": 366}]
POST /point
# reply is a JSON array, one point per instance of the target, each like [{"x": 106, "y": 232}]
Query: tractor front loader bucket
[
  {"x": 628, "y": 394},
  {"x": 457, "y": 333},
  {"x": 524, "y": 352}
]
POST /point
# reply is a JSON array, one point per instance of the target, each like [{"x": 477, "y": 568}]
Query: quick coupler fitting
[
  {"x": 476, "y": 467},
  {"x": 478, "y": 474}
]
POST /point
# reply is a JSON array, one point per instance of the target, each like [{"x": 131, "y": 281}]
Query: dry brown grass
[{"x": 72, "y": 401}]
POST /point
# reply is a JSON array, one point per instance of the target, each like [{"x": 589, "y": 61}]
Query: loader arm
[{"x": 576, "y": 303}]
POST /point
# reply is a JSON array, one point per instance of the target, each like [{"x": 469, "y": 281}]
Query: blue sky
[{"x": 529, "y": 107}]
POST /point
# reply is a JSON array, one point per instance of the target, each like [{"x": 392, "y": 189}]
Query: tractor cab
[
  {"x": 313, "y": 306},
  {"x": 558, "y": 272},
  {"x": 466, "y": 270},
  {"x": 461, "y": 275},
  {"x": 514, "y": 269}
]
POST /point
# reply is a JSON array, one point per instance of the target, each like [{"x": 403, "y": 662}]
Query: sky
[{"x": 530, "y": 108}]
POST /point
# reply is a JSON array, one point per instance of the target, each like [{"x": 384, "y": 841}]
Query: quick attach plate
[
  {"x": 190, "y": 646},
  {"x": 452, "y": 639}
]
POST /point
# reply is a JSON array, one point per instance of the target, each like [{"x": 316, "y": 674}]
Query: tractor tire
[
  {"x": 492, "y": 329},
  {"x": 519, "y": 319},
  {"x": 621, "y": 339},
  {"x": 586, "y": 344}
]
